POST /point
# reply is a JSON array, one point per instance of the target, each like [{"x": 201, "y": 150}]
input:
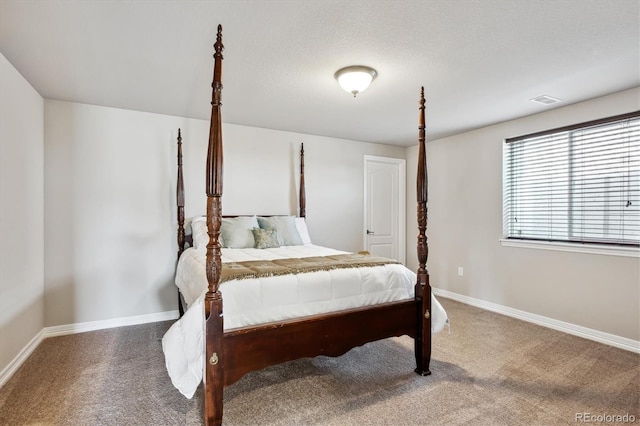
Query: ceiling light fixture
[{"x": 356, "y": 78}]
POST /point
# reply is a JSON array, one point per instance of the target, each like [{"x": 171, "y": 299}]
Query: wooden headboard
[{"x": 185, "y": 240}]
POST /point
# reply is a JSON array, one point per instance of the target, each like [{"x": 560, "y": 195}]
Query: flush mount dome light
[{"x": 356, "y": 78}]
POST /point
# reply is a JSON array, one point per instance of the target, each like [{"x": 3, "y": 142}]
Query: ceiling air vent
[{"x": 546, "y": 100}]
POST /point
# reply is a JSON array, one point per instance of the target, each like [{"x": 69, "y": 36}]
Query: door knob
[{"x": 370, "y": 232}]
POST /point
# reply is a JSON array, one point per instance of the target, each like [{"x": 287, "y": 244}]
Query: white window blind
[{"x": 579, "y": 183}]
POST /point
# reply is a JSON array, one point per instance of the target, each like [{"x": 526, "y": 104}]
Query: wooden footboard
[{"x": 329, "y": 334}]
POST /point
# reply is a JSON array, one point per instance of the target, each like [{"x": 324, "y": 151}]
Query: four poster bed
[{"x": 252, "y": 339}]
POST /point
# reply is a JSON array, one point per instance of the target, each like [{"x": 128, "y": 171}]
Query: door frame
[{"x": 402, "y": 202}]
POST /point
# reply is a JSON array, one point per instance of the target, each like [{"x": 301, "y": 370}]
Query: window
[{"x": 576, "y": 184}]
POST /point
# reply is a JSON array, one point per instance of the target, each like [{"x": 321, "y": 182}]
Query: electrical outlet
[{"x": 460, "y": 271}]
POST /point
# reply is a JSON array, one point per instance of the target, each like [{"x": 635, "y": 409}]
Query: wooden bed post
[
  {"x": 180, "y": 203},
  {"x": 303, "y": 197},
  {"x": 422, "y": 289},
  {"x": 214, "y": 373}
]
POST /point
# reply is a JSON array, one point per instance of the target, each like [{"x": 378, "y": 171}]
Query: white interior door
[{"x": 384, "y": 207}]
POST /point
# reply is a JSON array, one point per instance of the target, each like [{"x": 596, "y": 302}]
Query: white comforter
[{"x": 254, "y": 301}]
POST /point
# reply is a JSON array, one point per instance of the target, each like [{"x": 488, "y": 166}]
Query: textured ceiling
[{"x": 479, "y": 61}]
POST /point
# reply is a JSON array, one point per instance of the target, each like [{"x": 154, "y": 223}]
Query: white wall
[
  {"x": 21, "y": 213},
  {"x": 465, "y": 224},
  {"x": 110, "y": 227}
]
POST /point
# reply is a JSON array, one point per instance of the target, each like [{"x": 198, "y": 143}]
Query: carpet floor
[{"x": 490, "y": 370}]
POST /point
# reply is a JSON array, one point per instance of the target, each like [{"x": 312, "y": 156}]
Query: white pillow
[
  {"x": 301, "y": 226},
  {"x": 199, "y": 232},
  {"x": 285, "y": 228},
  {"x": 237, "y": 232}
]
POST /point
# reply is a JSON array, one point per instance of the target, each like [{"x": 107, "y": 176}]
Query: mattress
[{"x": 254, "y": 301}]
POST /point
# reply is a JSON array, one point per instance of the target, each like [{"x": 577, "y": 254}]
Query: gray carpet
[{"x": 491, "y": 370}]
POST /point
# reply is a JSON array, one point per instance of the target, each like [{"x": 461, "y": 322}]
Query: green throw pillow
[{"x": 265, "y": 238}]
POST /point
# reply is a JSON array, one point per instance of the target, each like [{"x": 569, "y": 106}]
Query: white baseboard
[
  {"x": 22, "y": 356},
  {"x": 82, "y": 327},
  {"x": 576, "y": 330},
  {"x": 61, "y": 330}
]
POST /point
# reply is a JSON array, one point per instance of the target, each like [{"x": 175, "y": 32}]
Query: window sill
[{"x": 575, "y": 248}]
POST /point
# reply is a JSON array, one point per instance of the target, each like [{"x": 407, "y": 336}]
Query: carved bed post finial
[
  {"x": 303, "y": 197},
  {"x": 216, "y": 98},
  {"x": 218, "y": 46}
]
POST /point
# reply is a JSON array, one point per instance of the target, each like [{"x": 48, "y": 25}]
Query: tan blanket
[{"x": 272, "y": 268}]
